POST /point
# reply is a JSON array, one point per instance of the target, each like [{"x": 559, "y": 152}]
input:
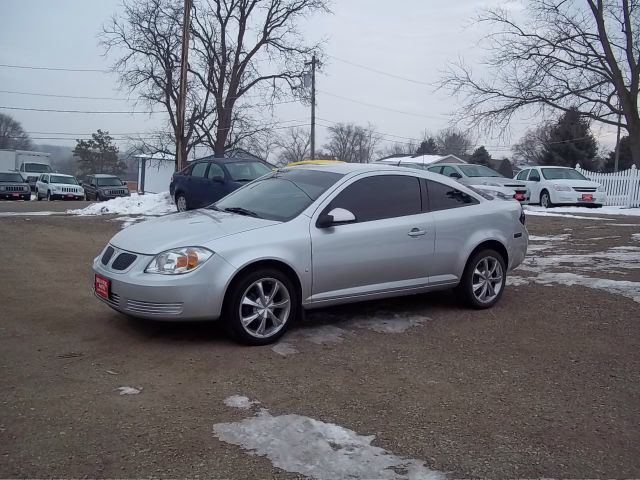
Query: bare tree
[
  {"x": 12, "y": 135},
  {"x": 352, "y": 143},
  {"x": 564, "y": 54},
  {"x": 531, "y": 148},
  {"x": 452, "y": 141},
  {"x": 293, "y": 146},
  {"x": 244, "y": 55}
]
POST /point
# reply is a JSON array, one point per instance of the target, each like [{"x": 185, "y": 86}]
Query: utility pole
[
  {"x": 617, "y": 157},
  {"x": 313, "y": 64},
  {"x": 181, "y": 161}
]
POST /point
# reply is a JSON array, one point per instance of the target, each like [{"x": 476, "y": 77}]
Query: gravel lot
[{"x": 546, "y": 384}]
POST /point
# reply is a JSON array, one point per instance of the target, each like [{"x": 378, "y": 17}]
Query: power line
[
  {"x": 34, "y": 94},
  {"x": 413, "y": 114},
  {"x": 54, "y": 69},
  {"x": 50, "y": 110},
  {"x": 380, "y": 72}
]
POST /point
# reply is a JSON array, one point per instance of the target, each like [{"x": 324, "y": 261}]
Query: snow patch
[
  {"x": 239, "y": 401},
  {"x": 606, "y": 210},
  {"x": 320, "y": 450},
  {"x": 619, "y": 287},
  {"x": 284, "y": 349},
  {"x": 514, "y": 281},
  {"x": 324, "y": 334},
  {"x": 549, "y": 238},
  {"x": 542, "y": 213},
  {"x": 635, "y": 236},
  {"x": 129, "y": 390},
  {"x": 149, "y": 204},
  {"x": 29, "y": 214},
  {"x": 128, "y": 221},
  {"x": 392, "y": 323}
]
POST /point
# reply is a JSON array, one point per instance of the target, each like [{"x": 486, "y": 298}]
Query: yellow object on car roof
[{"x": 313, "y": 162}]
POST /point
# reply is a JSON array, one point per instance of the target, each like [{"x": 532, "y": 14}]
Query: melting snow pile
[
  {"x": 149, "y": 204},
  {"x": 606, "y": 210},
  {"x": 316, "y": 449}
]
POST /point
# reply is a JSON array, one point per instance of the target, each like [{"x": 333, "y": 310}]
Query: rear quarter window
[{"x": 444, "y": 197}]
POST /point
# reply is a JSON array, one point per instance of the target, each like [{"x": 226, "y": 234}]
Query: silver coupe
[{"x": 311, "y": 236}]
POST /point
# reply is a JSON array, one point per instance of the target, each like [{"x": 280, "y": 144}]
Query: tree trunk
[{"x": 634, "y": 145}]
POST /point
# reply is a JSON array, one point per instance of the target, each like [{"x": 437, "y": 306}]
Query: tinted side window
[
  {"x": 435, "y": 169},
  {"x": 382, "y": 196},
  {"x": 215, "y": 171},
  {"x": 448, "y": 171},
  {"x": 199, "y": 169},
  {"x": 534, "y": 176},
  {"x": 523, "y": 175},
  {"x": 444, "y": 197}
]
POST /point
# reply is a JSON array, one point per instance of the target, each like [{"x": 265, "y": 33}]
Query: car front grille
[
  {"x": 585, "y": 189},
  {"x": 106, "y": 256},
  {"x": 123, "y": 261},
  {"x": 68, "y": 190},
  {"x": 120, "y": 191},
  {"x": 153, "y": 308},
  {"x": 15, "y": 188}
]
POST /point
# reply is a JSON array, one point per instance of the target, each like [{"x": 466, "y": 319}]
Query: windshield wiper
[{"x": 242, "y": 211}]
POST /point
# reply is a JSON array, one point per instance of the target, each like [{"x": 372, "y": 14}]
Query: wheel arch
[
  {"x": 493, "y": 245},
  {"x": 265, "y": 263}
]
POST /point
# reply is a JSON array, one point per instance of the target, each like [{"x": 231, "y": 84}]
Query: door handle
[{"x": 416, "y": 232}]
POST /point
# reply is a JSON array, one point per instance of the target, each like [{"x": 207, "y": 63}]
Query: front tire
[
  {"x": 260, "y": 306},
  {"x": 38, "y": 195},
  {"x": 181, "y": 202},
  {"x": 483, "y": 280},
  {"x": 48, "y": 195},
  {"x": 545, "y": 199}
]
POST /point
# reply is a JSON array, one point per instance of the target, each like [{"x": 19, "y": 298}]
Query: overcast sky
[{"x": 414, "y": 39}]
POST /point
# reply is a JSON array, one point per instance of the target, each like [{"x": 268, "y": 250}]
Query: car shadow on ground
[{"x": 214, "y": 331}]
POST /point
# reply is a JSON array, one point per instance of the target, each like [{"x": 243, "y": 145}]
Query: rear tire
[
  {"x": 260, "y": 306},
  {"x": 483, "y": 280},
  {"x": 545, "y": 199},
  {"x": 38, "y": 195}
]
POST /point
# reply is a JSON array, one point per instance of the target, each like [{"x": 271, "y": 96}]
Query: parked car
[
  {"x": 313, "y": 236},
  {"x": 101, "y": 187},
  {"x": 208, "y": 180},
  {"x": 13, "y": 187},
  {"x": 54, "y": 186},
  {"x": 551, "y": 186},
  {"x": 480, "y": 175}
]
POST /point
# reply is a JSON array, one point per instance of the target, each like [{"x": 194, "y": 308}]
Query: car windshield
[
  {"x": 63, "y": 179},
  {"x": 109, "y": 182},
  {"x": 478, "y": 171},
  {"x": 37, "y": 168},
  {"x": 11, "y": 177},
  {"x": 280, "y": 196},
  {"x": 246, "y": 171},
  {"x": 562, "y": 174}
]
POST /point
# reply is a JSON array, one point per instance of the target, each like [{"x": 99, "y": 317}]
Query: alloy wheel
[
  {"x": 265, "y": 308},
  {"x": 487, "y": 280},
  {"x": 545, "y": 200}
]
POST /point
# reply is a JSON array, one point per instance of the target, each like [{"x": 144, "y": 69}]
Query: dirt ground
[{"x": 546, "y": 384}]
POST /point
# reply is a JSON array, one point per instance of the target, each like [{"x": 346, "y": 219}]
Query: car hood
[
  {"x": 500, "y": 181},
  {"x": 60, "y": 185},
  {"x": 189, "y": 229}
]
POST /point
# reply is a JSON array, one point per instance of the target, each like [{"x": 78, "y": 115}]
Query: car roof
[
  {"x": 551, "y": 166},
  {"x": 226, "y": 160},
  {"x": 102, "y": 175},
  {"x": 59, "y": 174}
]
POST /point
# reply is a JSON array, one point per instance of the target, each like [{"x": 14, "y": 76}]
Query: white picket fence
[{"x": 623, "y": 188}]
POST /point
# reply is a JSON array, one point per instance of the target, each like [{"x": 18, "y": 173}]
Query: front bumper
[
  {"x": 109, "y": 196},
  {"x": 67, "y": 196},
  {"x": 15, "y": 195},
  {"x": 197, "y": 295},
  {"x": 575, "y": 198}
]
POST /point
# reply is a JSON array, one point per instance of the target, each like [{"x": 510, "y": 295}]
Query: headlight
[
  {"x": 601, "y": 188},
  {"x": 179, "y": 260},
  {"x": 54, "y": 187},
  {"x": 562, "y": 188}
]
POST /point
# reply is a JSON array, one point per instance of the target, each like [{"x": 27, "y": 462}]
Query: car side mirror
[
  {"x": 455, "y": 175},
  {"x": 337, "y": 216}
]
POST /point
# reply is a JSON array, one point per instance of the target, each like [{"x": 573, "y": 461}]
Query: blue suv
[{"x": 207, "y": 180}]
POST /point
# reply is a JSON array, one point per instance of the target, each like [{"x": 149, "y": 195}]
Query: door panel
[
  {"x": 389, "y": 247},
  {"x": 534, "y": 187},
  {"x": 197, "y": 186}
]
